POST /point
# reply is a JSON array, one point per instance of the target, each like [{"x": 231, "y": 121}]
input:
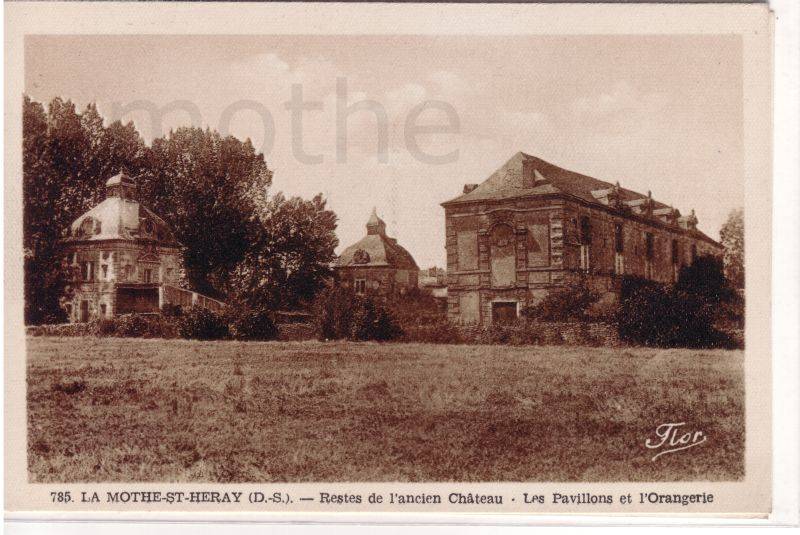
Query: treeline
[{"x": 242, "y": 244}]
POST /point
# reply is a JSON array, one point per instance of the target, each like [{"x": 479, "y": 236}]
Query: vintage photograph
[{"x": 311, "y": 258}]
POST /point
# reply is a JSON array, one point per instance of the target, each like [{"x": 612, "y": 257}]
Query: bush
[
  {"x": 138, "y": 326},
  {"x": 564, "y": 304},
  {"x": 371, "y": 320},
  {"x": 171, "y": 310},
  {"x": 680, "y": 316},
  {"x": 333, "y": 313},
  {"x": 203, "y": 324},
  {"x": 443, "y": 332},
  {"x": 341, "y": 314},
  {"x": 416, "y": 308},
  {"x": 252, "y": 325}
]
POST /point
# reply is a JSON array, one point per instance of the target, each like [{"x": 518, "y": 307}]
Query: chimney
[
  {"x": 469, "y": 188},
  {"x": 528, "y": 174}
]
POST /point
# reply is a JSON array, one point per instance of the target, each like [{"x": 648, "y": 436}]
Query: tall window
[
  {"x": 584, "y": 257},
  {"x": 619, "y": 250},
  {"x": 361, "y": 286},
  {"x": 649, "y": 254},
  {"x": 676, "y": 260},
  {"x": 148, "y": 276},
  {"x": 502, "y": 256},
  {"x": 104, "y": 267},
  {"x": 88, "y": 271},
  {"x": 585, "y": 238}
]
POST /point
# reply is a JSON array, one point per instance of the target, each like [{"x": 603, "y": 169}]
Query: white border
[{"x": 786, "y": 318}]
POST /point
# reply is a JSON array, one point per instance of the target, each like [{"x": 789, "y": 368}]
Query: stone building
[
  {"x": 533, "y": 226},
  {"x": 124, "y": 257},
  {"x": 377, "y": 263}
]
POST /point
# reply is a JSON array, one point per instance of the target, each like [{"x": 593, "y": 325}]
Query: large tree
[
  {"x": 291, "y": 255},
  {"x": 732, "y": 238},
  {"x": 206, "y": 187},
  {"x": 67, "y": 157},
  {"x": 212, "y": 190}
]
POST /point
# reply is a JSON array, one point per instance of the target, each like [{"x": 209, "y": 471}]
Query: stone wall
[{"x": 518, "y": 250}]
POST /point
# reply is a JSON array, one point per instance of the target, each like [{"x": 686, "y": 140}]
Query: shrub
[
  {"x": 252, "y": 325},
  {"x": 137, "y": 326},
  {"x": 416, "y": 308},
  {"x": 333, "y": 312},
  {"x": 203, "y": 324},
  {"x": 656, "y": 315},
  {"x": 442, "y": 332},
  {"x": 372, "y": 321},
  {"x": 133, "y": 326},
  {"x": 172, "y": 310},
  {"x": 563, "y": 304},
  {"x": 340, "y": 313}
]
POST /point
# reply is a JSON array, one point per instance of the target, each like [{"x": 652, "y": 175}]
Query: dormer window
[
  {"x": 148, "y": 227},
  {"x": 86, "y": 228}
]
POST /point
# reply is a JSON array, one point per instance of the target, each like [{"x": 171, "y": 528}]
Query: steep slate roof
[
  {"x": 119, "y": 219},
  {"x": 383, "y": 251},
  {"x": 506, "y": 183}
]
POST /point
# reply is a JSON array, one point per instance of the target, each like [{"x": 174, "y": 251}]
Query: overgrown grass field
[{"x": 105, "y": 409}]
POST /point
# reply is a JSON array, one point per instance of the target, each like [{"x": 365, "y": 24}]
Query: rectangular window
[
  {"x": 104, "y": 267},
  {"x": 619, "y": 239},
  {"x": 619, "y": 264},
  {"x": 676, "y": 261},
  {"x": 650, "y": 247},
  {"x": 148, "y": 276},
  {"x": 649, "y": 255},
  {"x": 103, "y": 309},
  {"x": 585, "y": 257},
  {"x": 88, "y": 271},
  {"x": 361, "y": 286},
  {"x": 585, "y": 230},
  {"x": 467, "y": 250}
]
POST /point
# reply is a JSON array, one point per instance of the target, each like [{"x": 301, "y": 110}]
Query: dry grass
[{"x": 176, "y": 410}]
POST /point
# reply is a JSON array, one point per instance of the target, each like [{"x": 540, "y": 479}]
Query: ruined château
[
  {"x": 125, "y": 259},
  {"x": 532, "y": 226},
  {"x": 377, "y": 263}
]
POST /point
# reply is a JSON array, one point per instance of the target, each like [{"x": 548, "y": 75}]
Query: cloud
[{"x": 622, "y": 101}]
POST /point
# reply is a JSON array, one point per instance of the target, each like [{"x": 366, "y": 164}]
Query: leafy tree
[
  {"x": 207, "y": 188},
  {"x": 291, "y": 253},
  {"x": 732, "y": 237},
  {"x": 67, "y": 157},
  {"x": 45, "y": 213},
  {"x": 212, "y": 191}
]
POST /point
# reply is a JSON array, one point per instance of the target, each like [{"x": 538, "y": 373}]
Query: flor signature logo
[{"x": 671, "y": 440}]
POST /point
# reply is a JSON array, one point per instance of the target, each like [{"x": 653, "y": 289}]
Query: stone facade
[
  {"x": 532, "y": 227},
  {"x": 122, "y": 256},
  {"x": 377, "y": 264}
]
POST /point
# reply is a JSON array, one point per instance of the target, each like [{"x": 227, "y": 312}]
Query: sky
[{"x": 401, "y": 123}]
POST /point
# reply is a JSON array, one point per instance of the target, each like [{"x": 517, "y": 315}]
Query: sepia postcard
[{"x": 279, "y": 259}]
